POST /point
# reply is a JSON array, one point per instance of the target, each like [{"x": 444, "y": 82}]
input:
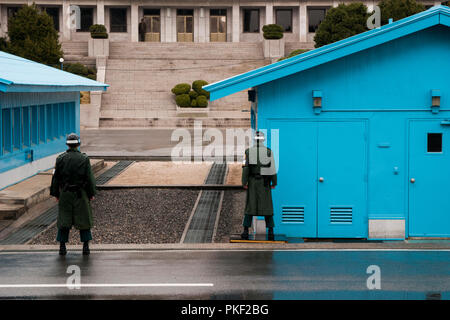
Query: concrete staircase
[
  {"x": 141, "y": 76},
  {"x": 77, "y": 52}
]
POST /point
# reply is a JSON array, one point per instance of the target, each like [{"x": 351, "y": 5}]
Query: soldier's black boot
[
  {"x": 62, "y": 249},
  {"x": 86, "y": 250},
  {"x": 244, "y": 235},
  {"x": 270, "y": 235}
]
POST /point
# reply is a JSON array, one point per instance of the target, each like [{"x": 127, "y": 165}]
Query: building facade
[
  {"x": 361, "y": 131},
  {"x": 182, "y": 21}
]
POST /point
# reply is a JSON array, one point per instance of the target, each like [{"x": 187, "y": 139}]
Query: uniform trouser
[
  {"x": 63, "y": 235},
  {"x": 248, "y": 221}
]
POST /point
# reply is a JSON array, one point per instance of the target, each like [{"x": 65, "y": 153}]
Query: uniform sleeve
[
  {"x": 245, "y": 170},
  {"x": 273, "y": 177},
  {"x": 90, "y": 180},
  {"x": 56, "y": 181}
]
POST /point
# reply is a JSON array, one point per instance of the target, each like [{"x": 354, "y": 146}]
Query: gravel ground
[
  {"x": 135, "y": 216},
  {"x": 231, "y": 215}
]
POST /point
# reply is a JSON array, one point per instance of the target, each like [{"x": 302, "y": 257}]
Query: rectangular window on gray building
[
  {"x": 118, "y": 20},
  {"x": 251, "y": 20},
  {"x": 86, "y": 19},
  {"x": 283, "y": 17},
  {"x": 53, "y": 12},
  {"x": 315, "y": 17},
  {"x": 11, "y": 11}
]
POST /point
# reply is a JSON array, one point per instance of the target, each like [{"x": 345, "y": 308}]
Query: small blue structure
[
  {"x": 39, "y": 106},
  {"x": 363, "y": 132}
]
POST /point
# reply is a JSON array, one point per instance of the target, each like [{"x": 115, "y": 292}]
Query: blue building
[
  {"x": 39, "y": 106},
  {"x": 363, "y": 132}
]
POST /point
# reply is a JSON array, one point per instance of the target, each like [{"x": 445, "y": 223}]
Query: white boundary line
[
  {"x": 105, "y": 285},
  {"x": 112, "y": 251}
]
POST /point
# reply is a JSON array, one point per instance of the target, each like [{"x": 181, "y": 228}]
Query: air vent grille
[
  {"x": 293, "y": 215},
  {"x": 341, "y": 215}
]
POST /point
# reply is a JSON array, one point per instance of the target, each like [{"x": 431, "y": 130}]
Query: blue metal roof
[
  {"x": 21, "y": 75},
  {"x": 431, "y": 17}
]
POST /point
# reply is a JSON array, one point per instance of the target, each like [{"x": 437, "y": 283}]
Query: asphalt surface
[{"x": 228, "y": 274}]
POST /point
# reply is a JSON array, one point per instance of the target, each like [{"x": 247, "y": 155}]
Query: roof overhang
[{"x": 431, "y": 17}]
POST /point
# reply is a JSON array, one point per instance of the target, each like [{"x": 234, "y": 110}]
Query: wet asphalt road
[{"x": 227, "y": 274}]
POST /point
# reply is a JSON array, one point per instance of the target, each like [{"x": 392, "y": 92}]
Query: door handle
[
  {"x": 321, "y": 179},
  {"x": 412, "y": 180}
]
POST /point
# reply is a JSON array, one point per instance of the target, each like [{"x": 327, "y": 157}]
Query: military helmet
[
  {"x": 73, "y": 139},
  {"x": 259, "y": 136}
]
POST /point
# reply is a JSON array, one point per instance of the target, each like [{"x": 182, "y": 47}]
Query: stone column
[
  {"x": 269, "y": 13},
  {"x": 236, "y": 22},
  {"x": 202, "y": 20},
  {"x": 100, "y": 12},
  {"x": 3, "y": 22},
  {"x": 134, "y": 22},
  {"x": 66, "y": 20},
  {"x": 303, "y": 21}
]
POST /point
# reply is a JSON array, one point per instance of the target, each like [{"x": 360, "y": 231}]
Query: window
[
  {"x": 17, "y": 129},
  {"x": 26, "y": 126},
  {"x": 34, "y": 136},
  {"x": 118, "y": 19},
  {"x": 434, "y": 143},
  {"x": 315, "y": 17},
  {"x": 11, "y": 11},
  {"x": 251, "y": 20},
  {"x": 49, "y": 123},
  {"x": 218, "y": 12},
  {"x": 53, "y": 12},
  {"x": 55, "y": 121},
  {"x": 6, "y": 131},
  {"x": 61, "y": 124},
  {"x": 151, "y": 12},
  {"x": 86, "y": 19},
  {"x": 284, "y": 18},
  {"x": 42, "y": 124},
  {"x": 185, "y": 25}
]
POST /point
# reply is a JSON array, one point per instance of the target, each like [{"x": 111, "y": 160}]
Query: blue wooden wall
[
  {"x": 35, "y": 123},
  {"x": 385, "y": 88}
]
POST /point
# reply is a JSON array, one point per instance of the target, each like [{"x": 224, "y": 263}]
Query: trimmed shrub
[
  {"x": 272, "y": 31},
  {"x": 294, "y": 53},
  {"x": 3, "y": 44},
  {"x": 193, "y": 94},
  {"x": 98, "y": 31},
  {"x": 181, "y": 88},
  {"x": 202, "y": 101},
  {"x": 197, "y": 86},
  {"x": 81, "y": 70},
  {"x": 183, "y": 100},
  {"x": 193, "y": 103}
]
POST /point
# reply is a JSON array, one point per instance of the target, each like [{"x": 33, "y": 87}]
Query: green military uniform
[
  {"x": 74, "y": 185},
  {"x": 259, "y": 174}
]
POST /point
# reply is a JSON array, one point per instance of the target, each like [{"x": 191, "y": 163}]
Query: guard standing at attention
[
  {"x": 73, "y": 185},
  {"x": 259, "y": 177}
]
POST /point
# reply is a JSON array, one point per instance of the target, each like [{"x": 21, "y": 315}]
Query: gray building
[{"x": 184, "y": 21}]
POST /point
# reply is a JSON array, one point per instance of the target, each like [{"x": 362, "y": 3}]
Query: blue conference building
[
  {"x": 39, "y": 106},
  {"x": 362, "y": 132}
]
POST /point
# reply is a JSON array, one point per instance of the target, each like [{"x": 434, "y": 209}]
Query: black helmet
[{"x": 73, "y": 140}]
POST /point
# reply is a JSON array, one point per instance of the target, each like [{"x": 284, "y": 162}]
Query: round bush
[
  {"x": 76, "y": 68},
  {"x": 98, "y": 31},
  {"x": 202, "y": 101},
  {"x": 181, "y": 88},
  {"x": 272, "y": 31},
  {"x": 193, "y": 94},
  {"x": 197, "y": 86},
  {"x": 193, "y": 103},
  {"x": 183, "y": 100}
]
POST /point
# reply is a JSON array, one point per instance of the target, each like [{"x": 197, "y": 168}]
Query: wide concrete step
[
  {"x": 171, "y": 122},
  {"x": 186, "y": 51},
  {"x": 11, "y": 211}
]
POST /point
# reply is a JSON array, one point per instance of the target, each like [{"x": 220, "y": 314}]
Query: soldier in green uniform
[
  {"x": 259, "y": 177},
  {"x": 73, "y": 185}
]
